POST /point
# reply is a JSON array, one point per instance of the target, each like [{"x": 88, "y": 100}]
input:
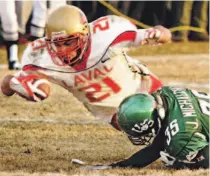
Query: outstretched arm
[
  {"x": 149, "y": 82},
  {"x": 140, "y": 159},
  {"x": 143, "y": 157},
  {"x": 152, "y": 36},
  {"x": 30, "y": 86}
]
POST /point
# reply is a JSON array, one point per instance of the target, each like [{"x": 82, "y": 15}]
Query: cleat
[{"x": 14, "y": 65}]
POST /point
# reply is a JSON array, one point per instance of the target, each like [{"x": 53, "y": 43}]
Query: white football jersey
[{"x": 105, "y": 79}]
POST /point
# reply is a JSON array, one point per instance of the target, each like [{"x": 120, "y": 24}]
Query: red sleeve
[
  {"x": 156, "y": 84},
  {"x": 126, "y": 36},
  {"x": 32, "y": 68}
]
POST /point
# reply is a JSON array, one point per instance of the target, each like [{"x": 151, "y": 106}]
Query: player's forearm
[
  {"x": 145, "y": 156},
  {"x": 29, "y": 85},
  {"x": 165, "y": 34},
  {"x": 140, "y": 159}
]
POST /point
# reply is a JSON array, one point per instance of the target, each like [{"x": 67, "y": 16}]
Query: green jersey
[{"x": 186, "y": 126}]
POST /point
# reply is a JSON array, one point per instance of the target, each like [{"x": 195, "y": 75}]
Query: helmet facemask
[
  {"x": 75, "y": 45},
  {"x": 151, "y": 129},
  {"x": 141, "y": 140}
]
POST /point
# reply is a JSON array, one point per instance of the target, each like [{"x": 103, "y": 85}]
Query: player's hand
[
  {"x": 156, "y": 36},
  {"x": 167, "y": 159},
  {"x": 165, "y": 34},
  {"x": 151, "y": 37},
  {"x": 137, "y": 67}
]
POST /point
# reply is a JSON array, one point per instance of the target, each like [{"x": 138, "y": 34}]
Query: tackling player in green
[{"x": 177, "y": 119}]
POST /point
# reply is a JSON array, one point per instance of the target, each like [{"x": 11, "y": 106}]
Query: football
[
  {"x": 30, "y": 87},
  {"x": 43, "y": 88},
  {"x": 5, "y": 87}
]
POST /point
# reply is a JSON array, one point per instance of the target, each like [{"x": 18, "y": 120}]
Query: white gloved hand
[
  {"x": 167, "y": 159},
  {"x": 151, "y": 37},
  {"x": 138, "y": 67}
]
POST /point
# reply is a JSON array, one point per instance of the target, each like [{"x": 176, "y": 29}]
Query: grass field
[{"x": 42, "y": 138}]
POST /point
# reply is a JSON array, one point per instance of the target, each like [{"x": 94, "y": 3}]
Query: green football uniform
[
  {"x": 183, "y": 139},
  {"x": 186, "y": 126}
]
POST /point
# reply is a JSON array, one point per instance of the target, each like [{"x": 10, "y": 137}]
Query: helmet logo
[
  {"x": 58, "y": 34},
  {"x": 144, "y": 126}
]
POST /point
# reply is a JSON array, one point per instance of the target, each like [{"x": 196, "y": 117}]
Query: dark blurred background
[{"x": 167, "y": 13}]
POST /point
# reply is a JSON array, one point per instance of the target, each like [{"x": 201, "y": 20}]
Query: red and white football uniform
[{"x": 104, "y": 78}]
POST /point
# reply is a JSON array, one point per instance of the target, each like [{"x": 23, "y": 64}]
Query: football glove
[
  {"x": 151, "y": 37},
  {"x": 139, "y": 68},
  {"x": 167, "y": 159}
]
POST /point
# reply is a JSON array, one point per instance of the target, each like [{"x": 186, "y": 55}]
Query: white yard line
[
  {"x": 53, "y": 121},
  {"x": 186, "y": 84},
  {"x": 175, "y": 57},
  {"x": 96, "y": 121},
  {"x": 203, "y": 59},
  {"x": 3, "y": 66}
]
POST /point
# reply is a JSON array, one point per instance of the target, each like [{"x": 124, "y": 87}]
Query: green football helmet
[{"x": 138, "y": 117}]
